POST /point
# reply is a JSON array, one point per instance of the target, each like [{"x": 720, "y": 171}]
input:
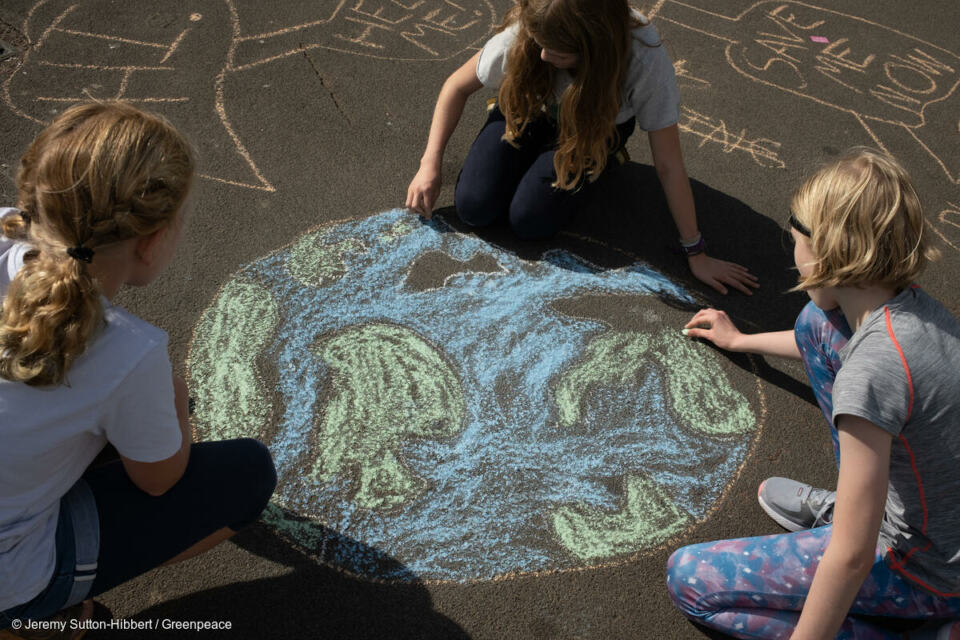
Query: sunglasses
[{"x": 799, "y": 226}]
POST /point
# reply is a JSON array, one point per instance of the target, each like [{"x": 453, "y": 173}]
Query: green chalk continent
[
  {"x": 699, "y": 391},
  {"x": 315, "y": 264},
  {"x": 648, "y": 518},
  {"x": 229, "y": 337},
  {"x": 387, "y": 385},
  {"x": 612, "y": 359},
  {"x": 306, "y": 532},
  {"x": 701, "y": 397},
  {"x": 398, "y": 230}
]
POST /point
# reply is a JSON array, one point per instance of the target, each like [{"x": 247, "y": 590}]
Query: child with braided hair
[{"x": 102, "y": 193}]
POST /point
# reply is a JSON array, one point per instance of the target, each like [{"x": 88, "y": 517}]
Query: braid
[
  {"x": 51, "y": 311},
  {"x": 101, "y": 173}
]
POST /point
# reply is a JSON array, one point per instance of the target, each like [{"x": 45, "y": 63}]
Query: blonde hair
[
  {"x": 100, "y": 173},
  {"x": 598, "y": 31},
  {"x": 866, "y": 223}
]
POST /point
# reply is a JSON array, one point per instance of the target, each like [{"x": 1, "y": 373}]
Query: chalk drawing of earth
[{"x": 437, "y": 412}]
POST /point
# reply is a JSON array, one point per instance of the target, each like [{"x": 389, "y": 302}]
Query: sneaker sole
[{"x": 789, "y": 525}]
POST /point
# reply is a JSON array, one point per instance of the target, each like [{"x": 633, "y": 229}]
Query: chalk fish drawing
[
  {"x": 177, "y": 57},
  {"x": 880, "y": 76},
  {"x": 431, "y": 401}
]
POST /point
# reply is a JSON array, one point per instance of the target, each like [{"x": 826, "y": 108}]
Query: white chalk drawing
[
  {"x": 762, "y": 151},
  {"x": 655, "y": 9},
  {"x": 684, "y": 73},
  {"x": 154, "y": 56},
  {"x": 948, "y": 227},
  {"x": 878, "y": 75}
]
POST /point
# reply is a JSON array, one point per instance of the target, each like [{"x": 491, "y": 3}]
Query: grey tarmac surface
[{"x": 307, "y": 135}]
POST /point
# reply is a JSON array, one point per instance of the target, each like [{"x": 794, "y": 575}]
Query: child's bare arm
[
  {"x": 861, "y": 496},
  {"x": 717, "y": 327},
  {"x": 668, "y": 160},
  {"x": 425, "y": 186}
]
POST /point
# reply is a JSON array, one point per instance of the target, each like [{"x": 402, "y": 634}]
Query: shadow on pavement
[
  {"x": 893, "y": 625},
  {"x": 629, "y": 221},
  {"x": 312, "y": 601}
]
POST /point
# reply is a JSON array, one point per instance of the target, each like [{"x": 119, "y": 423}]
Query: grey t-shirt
[
  {"x": 901, "y": 371},
  {"x": 650, "y": 90}
]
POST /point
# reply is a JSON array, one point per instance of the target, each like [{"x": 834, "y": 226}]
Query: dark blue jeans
[
  {"x": 226, "y": 484},
  {"x": 499, "y": 179}
]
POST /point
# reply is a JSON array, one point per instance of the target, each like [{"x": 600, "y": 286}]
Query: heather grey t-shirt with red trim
[{"x": 901, "y": 371}]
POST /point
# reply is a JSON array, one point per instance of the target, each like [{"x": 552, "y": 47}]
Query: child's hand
[
  {"x": 717, "y": 273},
  {"x": 423, "y": 191},
  {"x": 715, "y": 326}
]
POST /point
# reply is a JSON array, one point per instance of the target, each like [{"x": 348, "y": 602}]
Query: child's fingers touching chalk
[
  {"x": 697, "y": 333},
  {"x": 713, "y": 325},
  {"x": 701, "y": 318},
  {"x": 415, "y": 203},
  {"x": 699, "y": 325},
  {"x": 423, "y": 191}
]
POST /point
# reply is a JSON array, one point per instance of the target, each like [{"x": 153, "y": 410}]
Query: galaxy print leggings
[{"x": 756, "y": 587}]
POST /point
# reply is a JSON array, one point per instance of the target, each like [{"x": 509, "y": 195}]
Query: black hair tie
[
  {"x": 799, "y": 226},
  {"x": 83, "y": 254}
]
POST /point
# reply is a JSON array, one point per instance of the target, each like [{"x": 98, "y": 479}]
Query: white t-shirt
[
  {"x": 650, "y": 89},
  {"x": 119, "y": 391}
]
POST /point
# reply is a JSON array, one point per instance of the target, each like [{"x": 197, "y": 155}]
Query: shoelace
[{"x": 825, "y": 511}]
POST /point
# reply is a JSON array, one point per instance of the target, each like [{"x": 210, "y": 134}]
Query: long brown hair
[
  {"x": 100, "y": 173},
  {"x": 598, "y": 31}
]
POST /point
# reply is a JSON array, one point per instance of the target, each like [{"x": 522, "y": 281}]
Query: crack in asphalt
[{"x": 323, "y": 84}]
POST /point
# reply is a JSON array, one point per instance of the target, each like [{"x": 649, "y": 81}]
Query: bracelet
[{"x": 693, "y": 248}]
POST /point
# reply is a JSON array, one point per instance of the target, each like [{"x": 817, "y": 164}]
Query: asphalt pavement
[{"x": 535, "y": 478}]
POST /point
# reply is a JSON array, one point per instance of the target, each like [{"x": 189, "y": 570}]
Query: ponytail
[{"x": 51, "y": 311}]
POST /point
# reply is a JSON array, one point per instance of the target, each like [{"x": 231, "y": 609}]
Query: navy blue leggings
[
  {"x": 499, "y": 179},
  {"x": 226, "y": 484}
]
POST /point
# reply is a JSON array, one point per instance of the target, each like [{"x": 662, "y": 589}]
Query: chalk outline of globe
[{"x": 620, "y": 560}]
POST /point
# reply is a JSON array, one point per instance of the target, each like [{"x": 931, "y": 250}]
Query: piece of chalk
[
  {"x": 820, "y": 39},
  {"x": 685, "y": 331}
]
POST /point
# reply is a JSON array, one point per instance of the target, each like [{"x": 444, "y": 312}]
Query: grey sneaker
[{"x": 794, "y": 505}]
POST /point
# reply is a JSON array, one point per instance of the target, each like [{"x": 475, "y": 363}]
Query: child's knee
[
  {"x": 474, "y": 206},
  {"x": 258, "y": 477},
  {"x": 684, "y": 585},
  {"x": 530, "y": 220},
  {"x": 262, "y": 470}
]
